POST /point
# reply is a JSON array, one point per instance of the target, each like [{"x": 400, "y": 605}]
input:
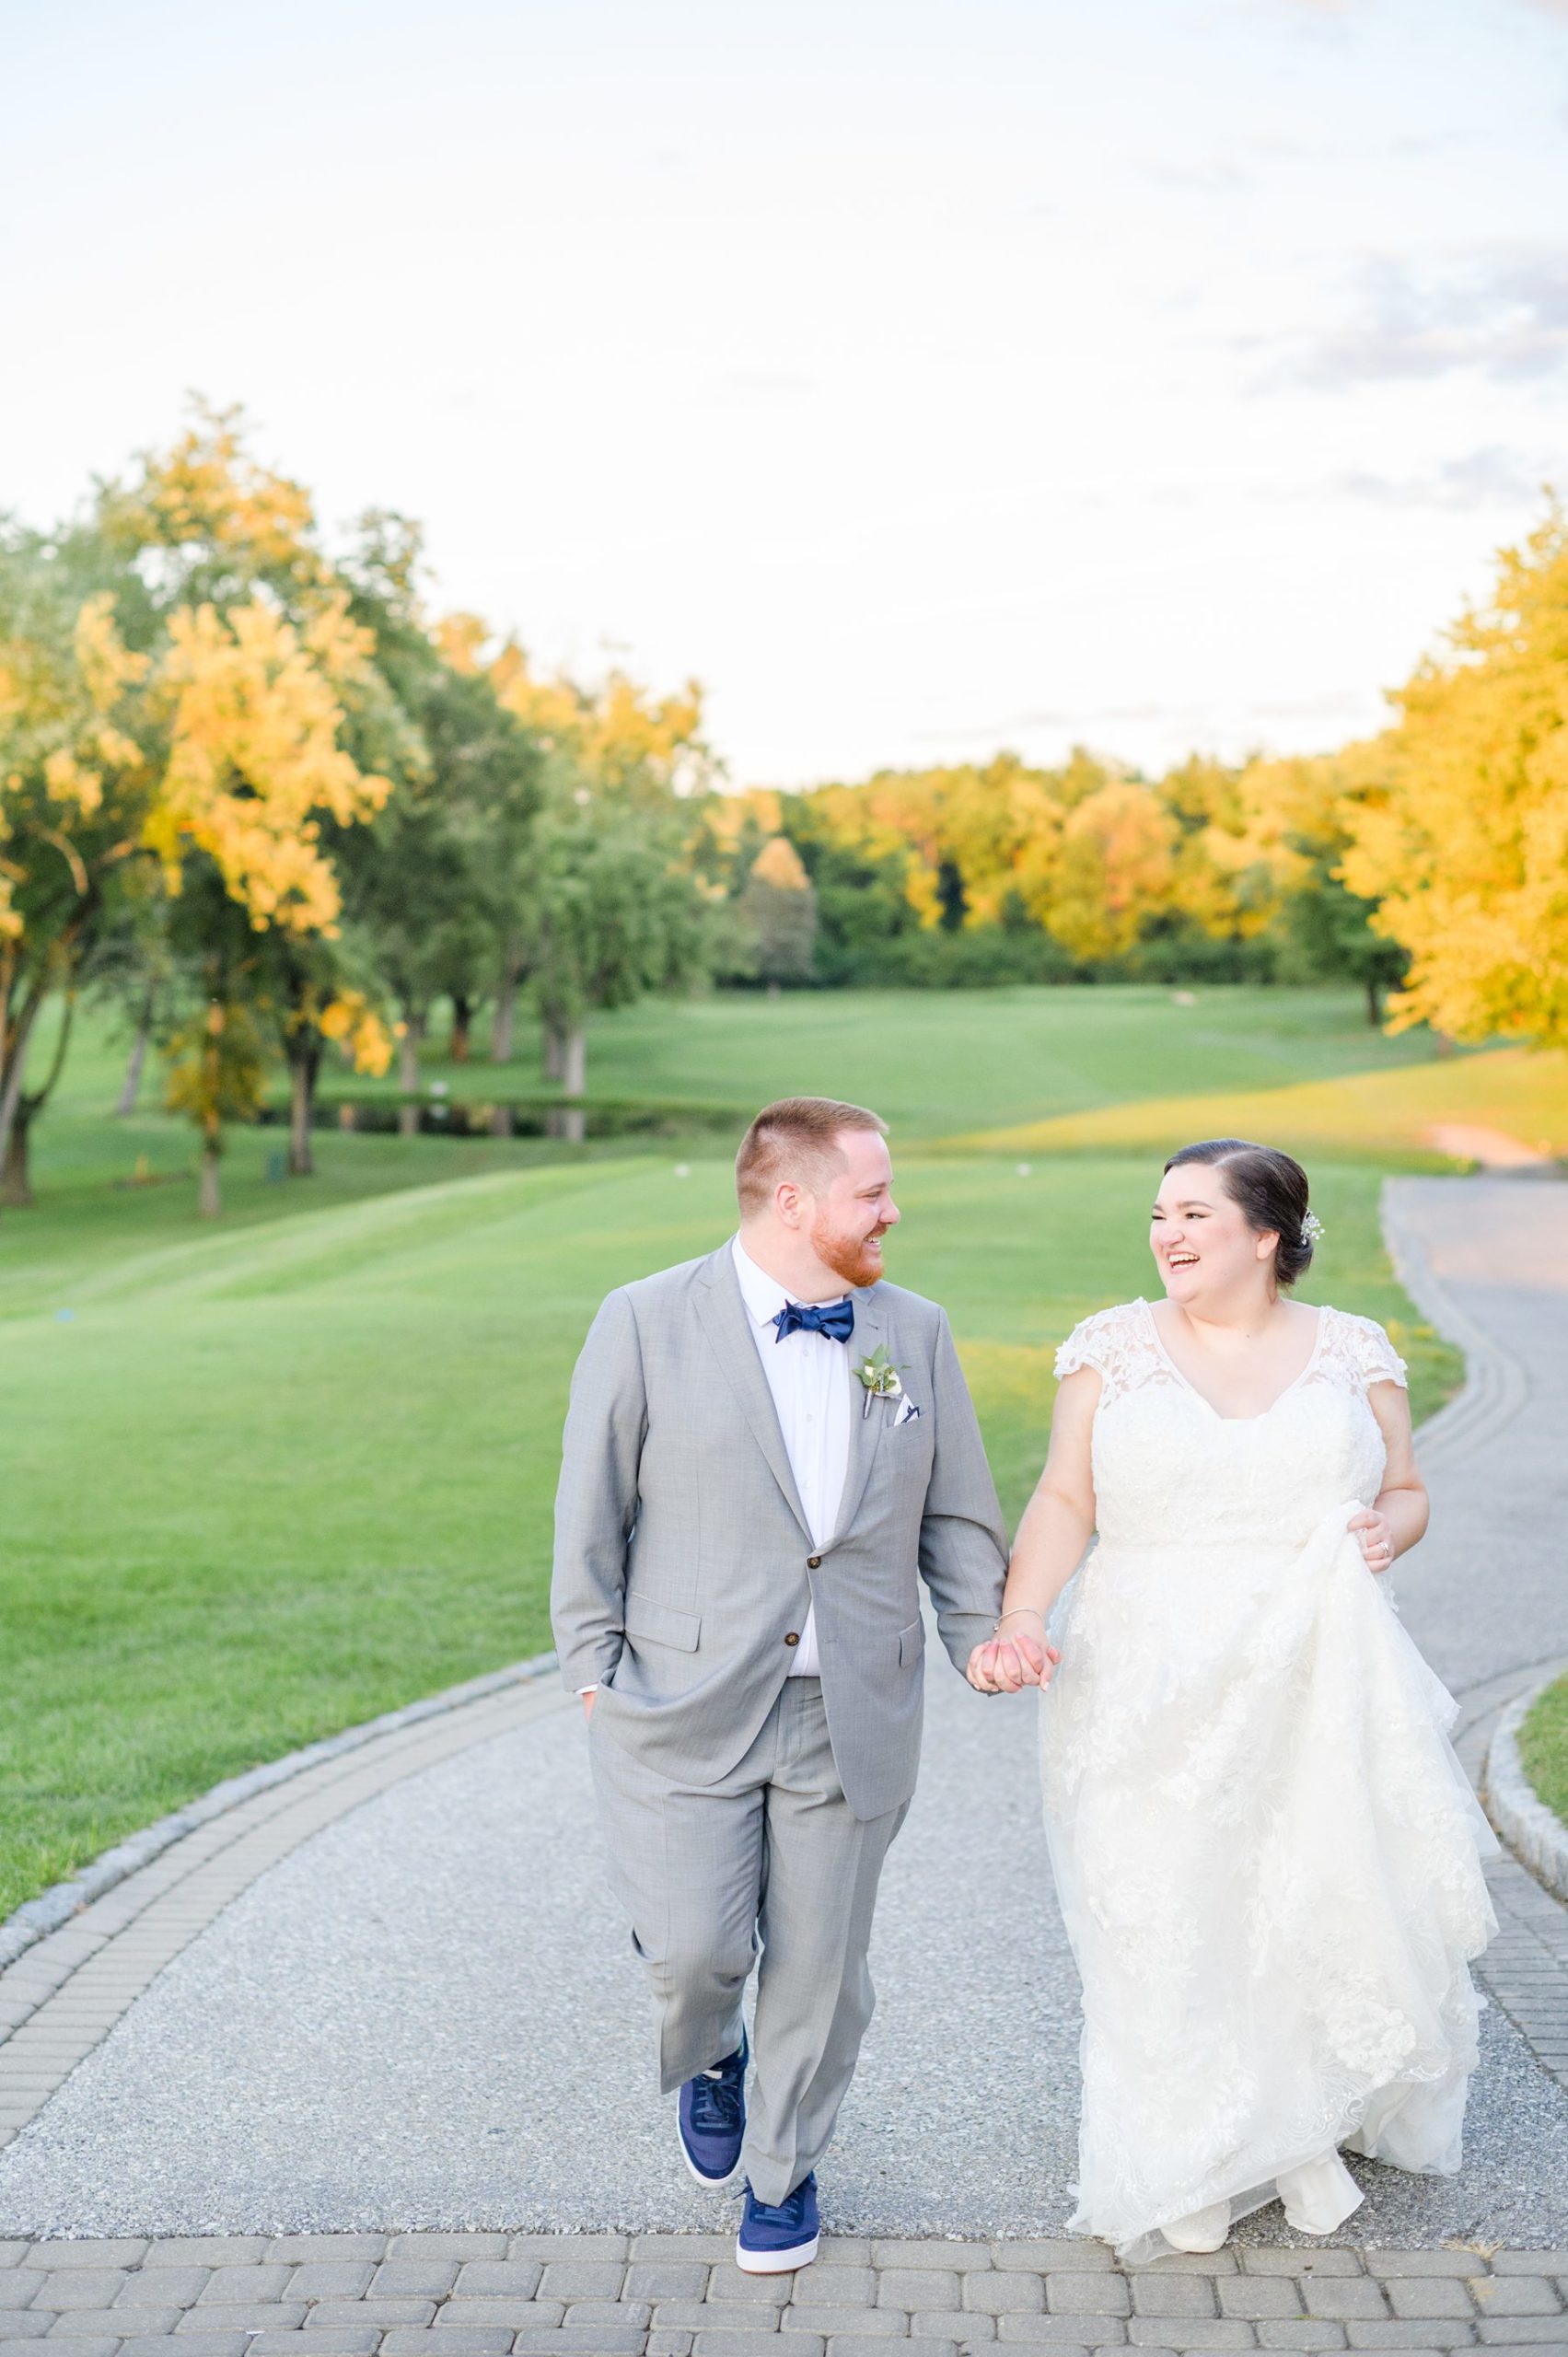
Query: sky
[{"x": 924, "y": 376}]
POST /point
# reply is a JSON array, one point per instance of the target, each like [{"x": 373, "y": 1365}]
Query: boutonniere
[{"x": 879, "y": 1377}]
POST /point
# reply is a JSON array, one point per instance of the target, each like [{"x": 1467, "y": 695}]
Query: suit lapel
[
  {"x": 872, "y": 1326},
  {"x": 728, "y": 1329}
]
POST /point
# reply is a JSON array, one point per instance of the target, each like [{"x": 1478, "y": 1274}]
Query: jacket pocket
[
  {"x": 912, "y": 1643},
  {"x": 662, "y": 1624}
]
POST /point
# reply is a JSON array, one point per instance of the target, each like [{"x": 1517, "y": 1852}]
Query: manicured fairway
[
  {"x": 264, "y": 1484},
  {"x": 268, "y": 1478},
  {"x": 1383, "y": 1116}
]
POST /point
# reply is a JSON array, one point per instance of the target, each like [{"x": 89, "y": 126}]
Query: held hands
[
  {"x": 1376, "y": 1536},
  {"x": 1012, "y": 1659}
]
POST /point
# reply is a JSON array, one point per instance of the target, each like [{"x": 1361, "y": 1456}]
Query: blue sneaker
[
  {"x": 774, "y": 2237},
  {"x": 711, "y": 2117}
]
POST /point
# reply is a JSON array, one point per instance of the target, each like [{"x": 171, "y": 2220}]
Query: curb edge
[{"x": 1535, "y": 1834}]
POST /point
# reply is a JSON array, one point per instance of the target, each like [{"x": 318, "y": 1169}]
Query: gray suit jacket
[{"x": 683, "y": 1558}]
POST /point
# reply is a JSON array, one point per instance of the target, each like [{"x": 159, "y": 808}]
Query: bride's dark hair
[{"x": 1272, "y": 1189}]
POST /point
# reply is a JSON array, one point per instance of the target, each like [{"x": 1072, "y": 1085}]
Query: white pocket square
[{"x": 907, "y": 1413}]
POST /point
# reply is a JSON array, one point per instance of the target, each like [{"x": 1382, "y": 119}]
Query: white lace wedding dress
[{"x": 1267, "y": 1855}]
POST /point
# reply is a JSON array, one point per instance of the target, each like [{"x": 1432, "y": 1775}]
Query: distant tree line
[
  {"x": 253, "y": 791},
  {"x": 1004, "y": 873}
]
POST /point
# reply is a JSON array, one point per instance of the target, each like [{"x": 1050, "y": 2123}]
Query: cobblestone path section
[
  {"x": 677, "y": 2295},
  {"x": 393, "y": 1992}
]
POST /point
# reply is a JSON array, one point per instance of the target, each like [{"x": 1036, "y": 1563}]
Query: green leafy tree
[
  {"x": 615, "y": 914},
  {"x": 779, "y": 907}
]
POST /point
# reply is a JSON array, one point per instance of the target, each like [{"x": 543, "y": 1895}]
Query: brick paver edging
[
  {"x": 1534, "y": 1833},
  {"x": 36, "y": 1917},
  {"x": 681, "y": 2295}
]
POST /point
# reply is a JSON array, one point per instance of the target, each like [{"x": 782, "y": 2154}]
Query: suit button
[
  {"x": 814, "y": 1562},
  {"x": 793, "y": 1638}
]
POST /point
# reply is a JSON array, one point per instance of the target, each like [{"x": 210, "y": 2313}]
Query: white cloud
[
  {"x": 1492, "y": 476},
  {"x": 1502, "y": 310}
]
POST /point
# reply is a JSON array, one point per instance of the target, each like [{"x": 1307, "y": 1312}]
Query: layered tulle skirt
[{"x": 1269, "y": 1862}]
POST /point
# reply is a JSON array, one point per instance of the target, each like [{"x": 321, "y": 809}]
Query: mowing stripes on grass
[{"x": 272, "y": 1483}]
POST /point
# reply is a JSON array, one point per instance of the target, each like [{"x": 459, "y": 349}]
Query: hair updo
[{"x": 1271, "y": 1190}]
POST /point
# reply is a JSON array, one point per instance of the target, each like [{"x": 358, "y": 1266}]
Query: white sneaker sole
[
  {"x": 713, "y": 2186},
  {"x": 710, "y": 2184},
  {"x": 776, "y": 2262}
]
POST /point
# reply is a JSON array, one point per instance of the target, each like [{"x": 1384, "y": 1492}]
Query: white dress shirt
[{"x": 809, "y": 1376}]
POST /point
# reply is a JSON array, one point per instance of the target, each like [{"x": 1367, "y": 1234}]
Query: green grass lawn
[
  {"x": 935, "y": 1062},
  {"x": 1543, "y": 1748},
  {"x": 271, "y": 1477}
]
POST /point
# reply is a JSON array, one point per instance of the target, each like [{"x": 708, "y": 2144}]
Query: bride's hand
[
  {"x": 1375, "y": 1537},
  {"x": 1006, "y": 1664}
]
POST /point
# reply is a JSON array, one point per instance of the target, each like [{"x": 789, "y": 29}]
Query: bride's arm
[
  {"x": 1398, "y": 1518},
  {"x": 1057, "y": 1526}
]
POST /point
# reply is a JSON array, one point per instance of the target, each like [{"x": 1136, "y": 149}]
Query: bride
[{"x": 1268, "y": 1856}]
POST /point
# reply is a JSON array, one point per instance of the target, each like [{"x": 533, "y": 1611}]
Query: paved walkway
[{"x": 392, "y": 1995}]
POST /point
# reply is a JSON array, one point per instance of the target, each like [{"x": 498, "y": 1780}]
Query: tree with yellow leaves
[
  {"x": 628, "y": 741},
  {"x": 1459, "y": 828},
  {"x": 260, "y": 665},
  {"x": 75, "y": 789},
  {"x": 175, "y": 684}
]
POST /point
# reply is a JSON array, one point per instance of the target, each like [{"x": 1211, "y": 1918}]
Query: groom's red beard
[{"x": 850, "y": 1257}]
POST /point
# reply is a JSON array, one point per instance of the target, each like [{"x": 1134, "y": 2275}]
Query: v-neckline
[{"x": 1187, "y": 1383}]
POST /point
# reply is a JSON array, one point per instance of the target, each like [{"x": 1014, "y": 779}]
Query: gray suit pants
[{"x": 772, "y": 1853}]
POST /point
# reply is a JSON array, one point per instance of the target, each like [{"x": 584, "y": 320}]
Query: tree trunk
[
  {"x": 16, "y": 1177},
  {"x": 408, "y": 1073},
  {"x": 1375, "y": 1002},
  {"x": 462, "y": 1024},
  {"x": 501, "y": 1123},
  {"x": 553, "y": 1042},
  {"x": 773, "y": 989},
  {"x": 501, "y": 1030},
  {"x": 11, "y": 1076},
  {"x": 569, "y": 1058},
  {"x": 209, "y": 1198},
  {"x": 131, "y": 1088},
  {"x": 575, "y": 1058},
  {"x": 303, "y": 1068}
]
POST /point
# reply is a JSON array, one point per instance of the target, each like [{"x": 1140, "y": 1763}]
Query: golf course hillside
[{"x": 271, "y": 1474}]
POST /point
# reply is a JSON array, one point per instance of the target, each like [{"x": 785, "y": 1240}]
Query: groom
[{"x": 766, "y": 1450}]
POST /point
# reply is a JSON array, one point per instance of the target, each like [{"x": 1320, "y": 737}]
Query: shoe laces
[
  {"x": 790, "y": 2211},
  {"x": 715, "y": 2102}
]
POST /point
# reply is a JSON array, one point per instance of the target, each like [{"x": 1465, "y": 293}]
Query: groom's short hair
[{"x": 797, "y": 1139}]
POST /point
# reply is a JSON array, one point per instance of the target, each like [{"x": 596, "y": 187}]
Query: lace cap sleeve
[
  {"x": 1080, "y": 1350},
  {"x": 1113, "y": 1343},
  {"x": 1373, "y": 1355}
]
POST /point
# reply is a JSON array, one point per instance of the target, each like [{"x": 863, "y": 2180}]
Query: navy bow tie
[{"x": 837, "y": 1320}]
